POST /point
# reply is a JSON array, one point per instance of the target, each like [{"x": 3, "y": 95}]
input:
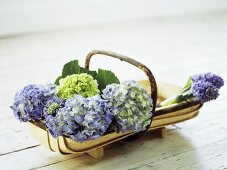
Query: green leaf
[
  {"x": 92, "y": 73},
  {"x": 70, "y": 68},
  {"x": 73, "y": 67},
  {"x": 184, "y": 95},
  {"x": 187, "y": 86},
  {"x": 57, "y": 80},
  {"x": 103, "y": 77},
  {"x": 106, "y": 77}
]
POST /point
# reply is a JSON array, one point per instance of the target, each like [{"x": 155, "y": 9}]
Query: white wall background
[{"x": 26, "y": 16}]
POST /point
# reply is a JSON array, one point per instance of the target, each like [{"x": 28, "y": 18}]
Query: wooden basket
[{"x": 163, "y": 116}]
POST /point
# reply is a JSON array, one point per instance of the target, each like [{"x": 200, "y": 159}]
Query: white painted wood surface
[
  {"x": 25, "y": 16},
  {"x": 172, "y": 48}
]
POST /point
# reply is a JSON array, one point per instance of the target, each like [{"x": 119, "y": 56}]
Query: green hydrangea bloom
[
  {"x": 53, "y": 107},
  {"x": 77, "y": 84}
]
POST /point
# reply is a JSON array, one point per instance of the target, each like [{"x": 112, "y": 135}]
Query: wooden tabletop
[{"x": 172, "y": 48}]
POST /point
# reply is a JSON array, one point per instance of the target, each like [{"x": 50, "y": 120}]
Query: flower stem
[{"x": 183, "y": 95}]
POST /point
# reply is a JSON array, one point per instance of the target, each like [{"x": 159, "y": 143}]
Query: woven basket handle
[{"x": 130, "y": 61}]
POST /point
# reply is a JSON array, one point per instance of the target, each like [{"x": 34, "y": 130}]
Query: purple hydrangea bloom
[
  {"x": 29, "y": 103},
  {"x": 81, "y": 119},
  {"x": 54, "y": 125},
  {"x": 130, "y": 105},
  {"x": 205, "y": 87}
]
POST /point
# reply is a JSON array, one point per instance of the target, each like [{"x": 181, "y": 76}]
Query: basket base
[
  {"x": 161, "y": 132},
  {"x": 99, "y": 152}
]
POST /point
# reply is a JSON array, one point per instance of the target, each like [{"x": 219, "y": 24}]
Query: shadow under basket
[{"x": 167, "y": 115}]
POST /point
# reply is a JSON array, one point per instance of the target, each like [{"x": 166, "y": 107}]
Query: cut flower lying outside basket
[{"x": 85, "y": 110}]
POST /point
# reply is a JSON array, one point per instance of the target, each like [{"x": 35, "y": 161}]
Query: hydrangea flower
[
  {"x": 77, "y": 84},
  {"x": 53, "y": 105},
  {"x": 81, "y": 119},
  {"x": 200, "y": 87},
  {"x": 29, "y": 103},
  {"x": 55, "y": 124},
  {"x": 130, "y": 105}
]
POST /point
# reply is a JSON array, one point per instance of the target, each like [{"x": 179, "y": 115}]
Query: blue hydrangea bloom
[
  {"x": 54, "y": 124},
  {"x": 81, "y": 119},
  {"x": 130, "y": 105},
  {"x": 29, "y": 103},
  {"x": 205, "y": 87}
]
